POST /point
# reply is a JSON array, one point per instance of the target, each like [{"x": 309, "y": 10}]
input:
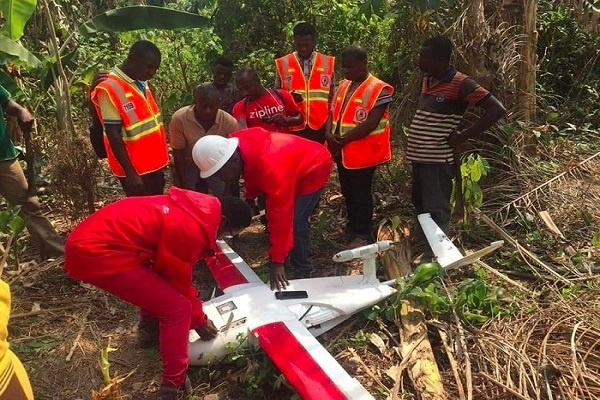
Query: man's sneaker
[
  {"x": 172, "y": 393},
  {"x": 148, "y": 333}
]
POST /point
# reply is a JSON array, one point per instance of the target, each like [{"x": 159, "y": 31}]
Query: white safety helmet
[{"x": 211, "y": 152}]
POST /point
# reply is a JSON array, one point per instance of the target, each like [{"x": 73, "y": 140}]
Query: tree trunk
[
  {"x": 475, "y": 35},
  {"x": 522, "y": 15},
  {"x": 422, "y": 367},
  {"x": 527, "y": 63}
]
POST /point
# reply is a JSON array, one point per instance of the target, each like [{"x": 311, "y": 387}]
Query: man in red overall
[
  {"x": 291, "y": 171},
  {"x": 142, "y": 250}
]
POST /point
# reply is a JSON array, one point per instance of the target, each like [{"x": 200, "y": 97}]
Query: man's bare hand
[
  {"x": 456, "y": 138},
  {"x": 207, "y": 331},
  {"x": 334, "y": 143},
  {"x": 135, "y": 184},
  {"x": 25, "y": 119},
  {"x": 280, "y": 120},
  {"x": 298, "y": 98},
  {"x": 99, "y": 77},
  {"x": 277, "y": 277}
]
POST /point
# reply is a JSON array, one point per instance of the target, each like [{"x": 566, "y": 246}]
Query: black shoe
[
  {"x": 148, "y": 333},
  {"x": 172, "y": 393}
]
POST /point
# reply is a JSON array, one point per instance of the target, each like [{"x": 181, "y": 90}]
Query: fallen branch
[
  {"x": 502, "y": 385},
  {"x": 37, "y": 312},
  {"x": 82, "y": 326},
  {"x": 463, "y": 344},
  {"x": 6, "y": 251},
  {"x": 503, "y": 276},
  {"x": 344, "y": 330},
  {"x": 453, "y": 363},
  {"x": 402, "y": 366},
  {"x": 522, "y": 250},
  {"x": 548, "y": 182}
]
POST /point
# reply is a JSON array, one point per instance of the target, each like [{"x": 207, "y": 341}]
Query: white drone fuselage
[{"x": 330, "y": 301}]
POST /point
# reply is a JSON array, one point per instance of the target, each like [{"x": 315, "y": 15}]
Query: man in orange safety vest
[
  {"x": 358, "y": 136},
  {"x": 134, "y": 135},
  {"x": 309, "y": 76}
]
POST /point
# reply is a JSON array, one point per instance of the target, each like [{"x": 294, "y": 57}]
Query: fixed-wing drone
[{"x": 286, "y": 323}]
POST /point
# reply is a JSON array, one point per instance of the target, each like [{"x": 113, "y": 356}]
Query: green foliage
[
  {"x": 11, "y": 223},
  {"x": 476, "y": 301},
  {"x": 16, "y": 13},
  {"x": 13, "y": 52},
  {"x": 141, "y": 17},
  {"x": 260, "y": 376},
  {"x": 569, "y": 77},
  {"x": 473, "y": 169},
  {"x": 36, "y": 347},
  {"x": 596, "y": 239},
  {"x": 255, "y": 32},
  {"x": 423, "y": 286},
  {"x": 570, "y": 291},
  {"x": 105, "y": 364}
]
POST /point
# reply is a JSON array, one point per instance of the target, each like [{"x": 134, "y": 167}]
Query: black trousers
[
  {"x": 154, "y": 183},
  {"x": 357, "y": 189},
  {"x": 431, "y": 191}
]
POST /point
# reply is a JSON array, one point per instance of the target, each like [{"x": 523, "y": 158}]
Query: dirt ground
[{"x": 59, "y": 327}]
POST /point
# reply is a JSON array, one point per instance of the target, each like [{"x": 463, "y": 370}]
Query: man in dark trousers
[
  {"x": 135, "y": 138},
  {"x": 309, "y": 76},
  {"x": 434, "y": 135},
  {"x": 359, "y": 138}
]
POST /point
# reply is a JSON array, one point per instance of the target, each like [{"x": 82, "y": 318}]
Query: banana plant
[
  {"x": 117, "y": 20},
  {"x": 16, "y": 13}
]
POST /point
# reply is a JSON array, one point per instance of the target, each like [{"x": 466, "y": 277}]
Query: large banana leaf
[
  {"x": 141, "y": 17},
  {"x": 9, "y": 84},
  {"x": 11, "y": 51},
  {"x": 16, "y": 13}
]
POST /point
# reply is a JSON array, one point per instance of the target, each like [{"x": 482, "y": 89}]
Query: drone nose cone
[{"x": 342, "y": 256}]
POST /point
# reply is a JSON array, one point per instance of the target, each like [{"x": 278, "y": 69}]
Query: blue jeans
[{"x": 303, "y": 208}]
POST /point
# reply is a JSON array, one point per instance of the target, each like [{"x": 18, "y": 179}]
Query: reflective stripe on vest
[
  {"x": 314, "y": 107},
  {"x": 375, "y": 148},
  {"x": 142, "y": 132}
]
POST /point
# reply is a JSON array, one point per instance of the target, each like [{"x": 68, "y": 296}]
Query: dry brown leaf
[{"x": 378, "y": 342}]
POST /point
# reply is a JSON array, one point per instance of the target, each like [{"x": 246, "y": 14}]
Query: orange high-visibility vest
[
  {"x": 375, "y": 148},
  {"x": 142, "y": 131},
  {"x": 315, "y": 91}
]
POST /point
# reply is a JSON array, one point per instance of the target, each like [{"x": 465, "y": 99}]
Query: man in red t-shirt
[{"x": 271, "y": 109}]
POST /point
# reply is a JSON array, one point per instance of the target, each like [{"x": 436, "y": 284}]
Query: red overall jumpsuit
[{"x": 142, "y": 250}]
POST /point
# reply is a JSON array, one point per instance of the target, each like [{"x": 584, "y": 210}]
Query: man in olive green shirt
[{"x": 13, "y": 185}]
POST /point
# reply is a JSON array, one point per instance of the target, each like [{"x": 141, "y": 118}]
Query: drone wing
[
  {"x": 229, "y": 269},
  {"x": 448, "y": 256},
  {"x": 306, "y": 364}
]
